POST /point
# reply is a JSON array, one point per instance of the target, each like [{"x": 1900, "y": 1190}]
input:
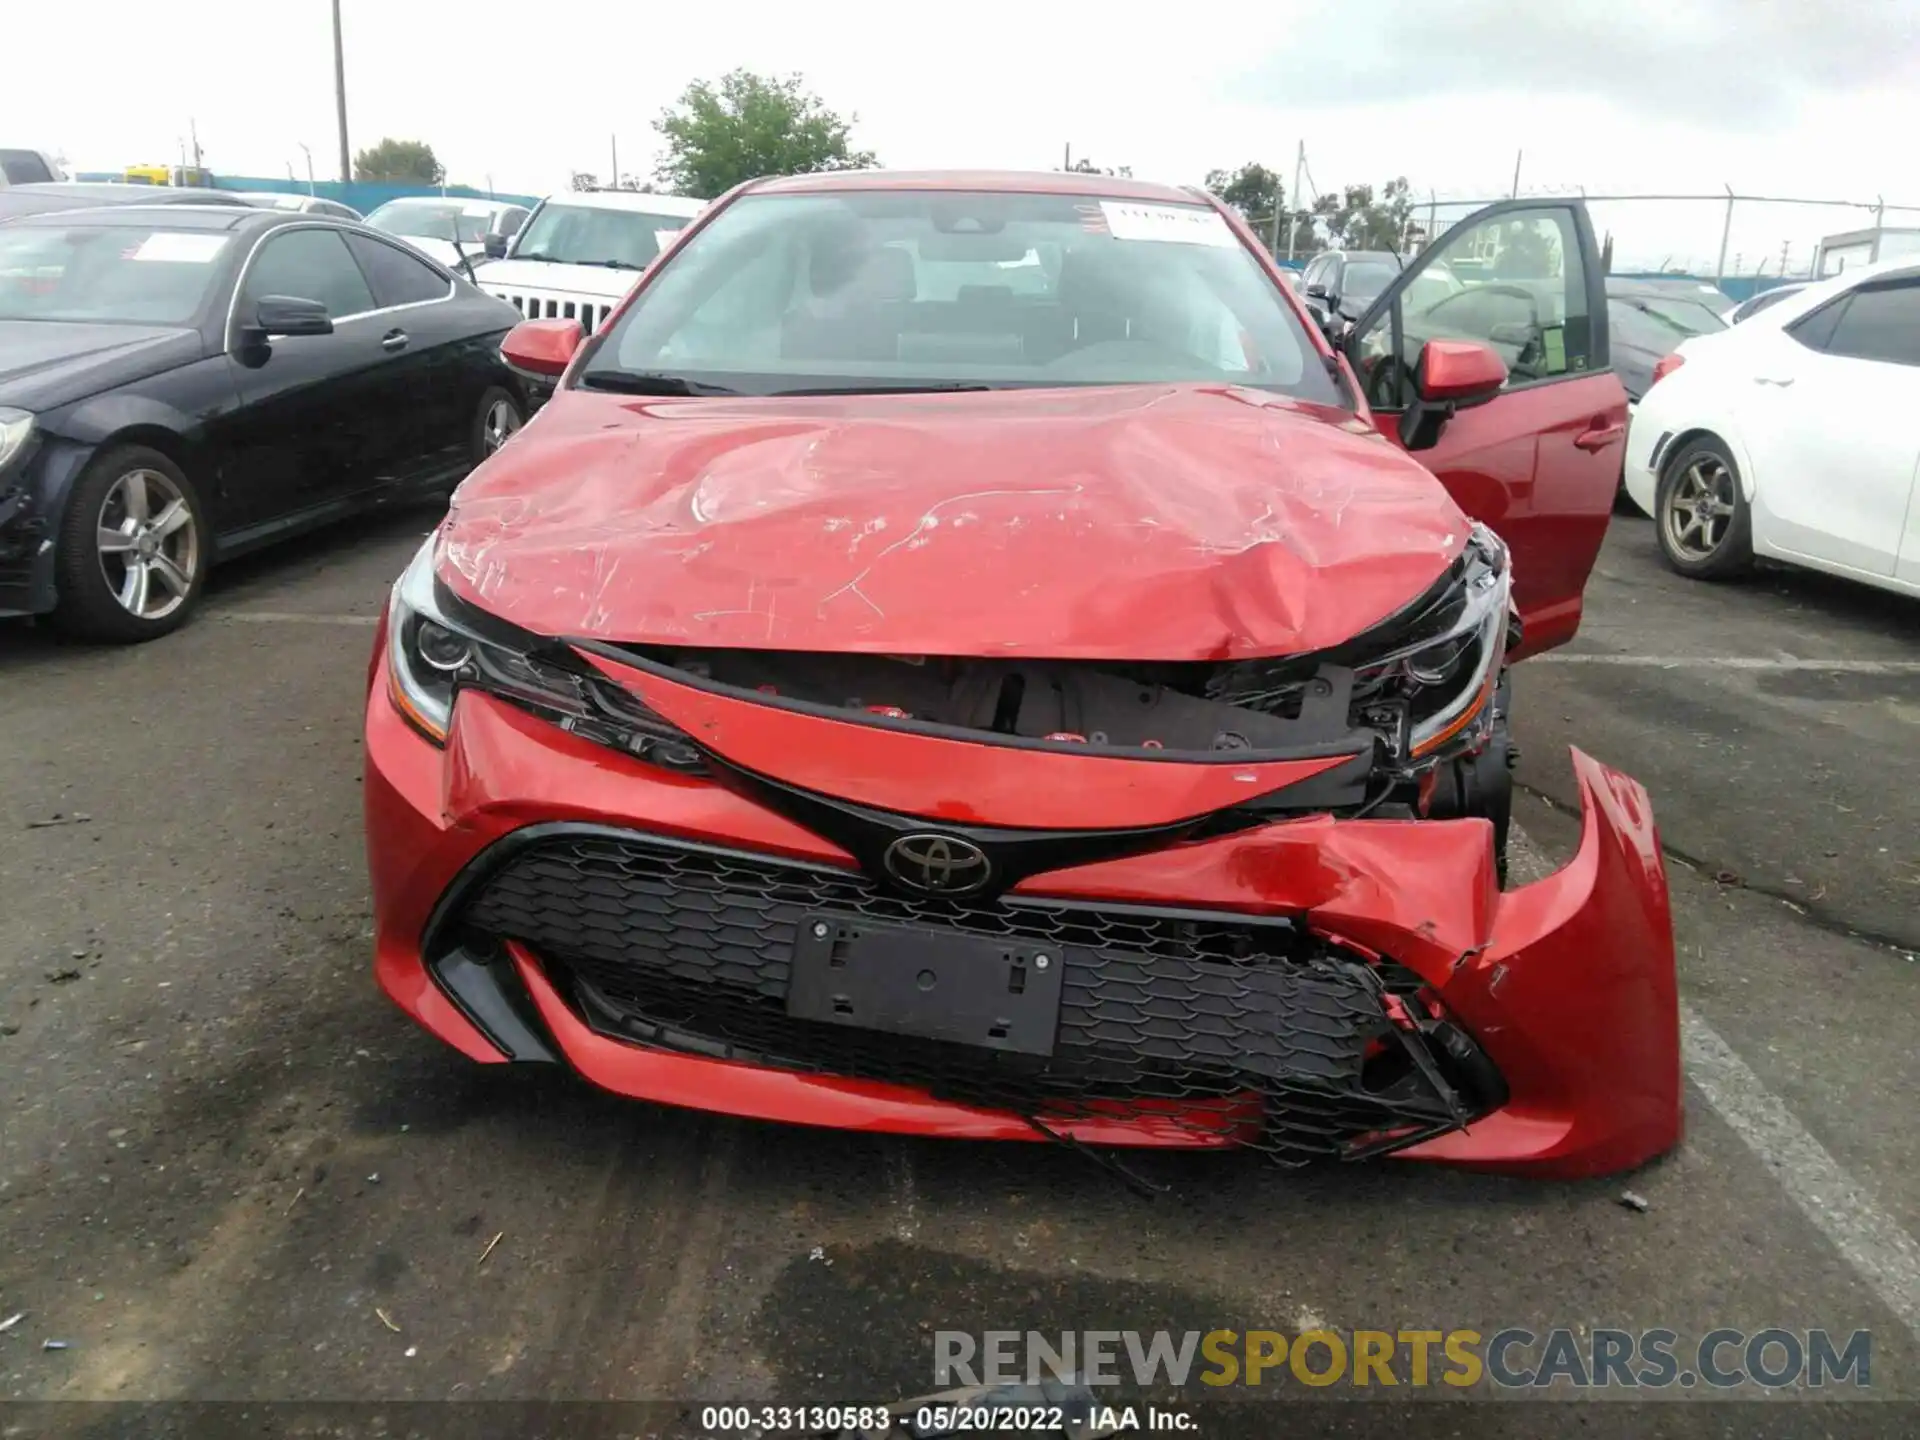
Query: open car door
[{"x": 1540, "y": 462}]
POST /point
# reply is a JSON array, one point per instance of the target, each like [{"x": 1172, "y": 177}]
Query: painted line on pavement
[
  {"x": 1870, "y": 1240},
  {"x": 288, "y": 617},
  {"x": 1883, "y": 1254},
  {"x": 1732, "y": 662}
]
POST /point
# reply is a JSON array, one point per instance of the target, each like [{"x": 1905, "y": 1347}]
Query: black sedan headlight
[
  {"x": 16, "y": 429},
  {"x": 436, "y": 647}
]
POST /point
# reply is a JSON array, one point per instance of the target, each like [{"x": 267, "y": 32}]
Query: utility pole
[
  {"x": 1785, "y": 245},
  {"x": 309, "y": 155},
  {"x": 340, "y": 95},
  {"x": 1299, "y": 164},
  {"x": 1433, "y": 203},
  {"x": 1726, "y": 229},
  {"x": 1066, "y": 157},
  {"x": 614, "y": 183},
  {"x": 1273, "y": 235},
  {"x": 193, "y": 130},
  {"x": 1516, "y": 174}
]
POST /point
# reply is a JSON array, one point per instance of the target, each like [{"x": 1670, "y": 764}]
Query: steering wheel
[{"x": 1517, "y": 292}]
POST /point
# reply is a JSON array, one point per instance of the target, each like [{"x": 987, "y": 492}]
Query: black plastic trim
[
  {"x": 474, "y": 986},
  {"x": 1349, "y": 742},
  {"x": 436, "y": 939}
]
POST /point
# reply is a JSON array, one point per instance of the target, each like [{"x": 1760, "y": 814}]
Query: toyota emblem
[{"x": 938, "y": 864}]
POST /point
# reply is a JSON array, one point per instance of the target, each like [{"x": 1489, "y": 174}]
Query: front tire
[
  {"x": 499, "y": 417},
  {"x": 1703, "y": 520},
  {"x": 133, "y": 550}
]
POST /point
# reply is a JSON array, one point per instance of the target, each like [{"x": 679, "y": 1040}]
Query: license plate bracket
[{"x": 991, "y": 992}]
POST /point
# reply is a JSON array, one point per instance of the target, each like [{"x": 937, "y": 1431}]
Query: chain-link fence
[
  {"x": 1739, "y": 241},
  {"x": 1742, "y": 242}
]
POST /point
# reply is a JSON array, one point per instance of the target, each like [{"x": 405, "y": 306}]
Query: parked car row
[
  {"x": 182, "y": 382},
  {"x": 1789, "y": 436},
  {"x": 187, "y": 373}
]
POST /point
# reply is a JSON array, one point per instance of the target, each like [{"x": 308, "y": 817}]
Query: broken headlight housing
[
  {"x": 1431, "y": 692},
  {"x": 436, "y": 648}
]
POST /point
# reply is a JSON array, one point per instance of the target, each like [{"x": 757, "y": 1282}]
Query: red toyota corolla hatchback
[{"x": 961, "y": 654}]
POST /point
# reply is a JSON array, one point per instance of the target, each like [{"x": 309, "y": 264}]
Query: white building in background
[{"x": 1863, "y": 247}]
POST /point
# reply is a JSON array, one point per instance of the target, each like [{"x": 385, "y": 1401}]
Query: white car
[
  {"x": 432, "y": 223},
  {"x": 304, "y": 204},
  {"x": 1792, "y": 436},
  {"x": 582, "y": 251}
]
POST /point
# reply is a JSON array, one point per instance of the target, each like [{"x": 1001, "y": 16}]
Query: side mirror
[
  {"x": 496, "y": 246},
  {"x": 1317, "y": 290},
  {"x": 1450, "y": 375},
  {"x": 290, "y": 315},
  {"x": 1458, "y": 371},
  {"x": 542, "y": 349}
]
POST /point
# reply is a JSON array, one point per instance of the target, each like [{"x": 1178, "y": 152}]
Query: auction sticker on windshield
[
  {"x": 1166, "y": 222},
  {"x": 179, "y": 248}
]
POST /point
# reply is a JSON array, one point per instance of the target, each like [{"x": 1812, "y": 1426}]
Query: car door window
[
  {"x": 1815, "y": 329},
  {"x": 309, "y": 264},
  {"x": 1514, "y": 282},
  {"x": 397, "y": 277},
  {"x": 1882, "y": 323}
]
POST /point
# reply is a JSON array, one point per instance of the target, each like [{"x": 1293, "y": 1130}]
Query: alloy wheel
[
  {"x": 1700, "y": 508},
  {"x": 502, "y": 419},
  {"x": 148, "y": 545}
]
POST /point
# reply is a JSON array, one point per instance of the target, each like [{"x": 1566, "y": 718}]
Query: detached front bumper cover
[{"x": 523, "y": 912}]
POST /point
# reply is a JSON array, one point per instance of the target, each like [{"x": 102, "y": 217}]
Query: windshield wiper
[
  {"x": 891, "y": 388},
  {"x": 609, "y": 264},
  {"x": 649, "y": 382}
]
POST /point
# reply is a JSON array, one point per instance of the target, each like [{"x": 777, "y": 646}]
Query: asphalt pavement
[{"x": 232, "y": 1171}]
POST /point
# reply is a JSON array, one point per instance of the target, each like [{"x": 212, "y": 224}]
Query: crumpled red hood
[{"x": 1137, "y": 522}]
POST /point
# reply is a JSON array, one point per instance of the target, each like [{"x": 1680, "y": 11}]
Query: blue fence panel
[
  {"x": 1734, "y": 287},
  {"x": 365, "y": 196}
]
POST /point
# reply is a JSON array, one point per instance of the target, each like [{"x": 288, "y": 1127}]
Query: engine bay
[{"x": 1154, "y": 707}]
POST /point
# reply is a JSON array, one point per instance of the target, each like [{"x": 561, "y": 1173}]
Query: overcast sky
[{"x": 1771, "y": 96}]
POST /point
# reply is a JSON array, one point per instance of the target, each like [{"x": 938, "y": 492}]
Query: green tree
[
  {"x": 1253, "y": 190},
  {"x": 399, "y": 160},
  {"x": 750, "y": 125},
  {"x": 1356, "y": 219}
]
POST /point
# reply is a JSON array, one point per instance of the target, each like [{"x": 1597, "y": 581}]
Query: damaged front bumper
[{"x": 1313, "y": 988}]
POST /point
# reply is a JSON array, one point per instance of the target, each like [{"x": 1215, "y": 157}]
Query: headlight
[
  {"x": 15, "y": 428},
  {"x": 432, "y": 655},
  {"x": 1432, "y": 690}
]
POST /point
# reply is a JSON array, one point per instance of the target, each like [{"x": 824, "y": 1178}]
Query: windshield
[
  {"x": 434, "y": 220},
  {"x": 902, "y": 290},
  {"x": 1365, "y": 279},
  {"x": 106, "y": 272},
  {"x": 590, "y": 235},
  {"x": 1680, "y": 318}
]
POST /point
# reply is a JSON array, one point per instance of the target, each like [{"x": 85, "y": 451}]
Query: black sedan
[
  {"x": 181, "y": 384},
  {"x": 18, "y": 200},
  {"x": 1647, "y": 321}
]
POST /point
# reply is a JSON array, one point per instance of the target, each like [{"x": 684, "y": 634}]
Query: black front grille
[{"x": 1227, "y": 1025}]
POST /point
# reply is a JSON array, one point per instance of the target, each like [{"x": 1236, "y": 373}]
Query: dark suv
[{"x": 1342, "y": 283}]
